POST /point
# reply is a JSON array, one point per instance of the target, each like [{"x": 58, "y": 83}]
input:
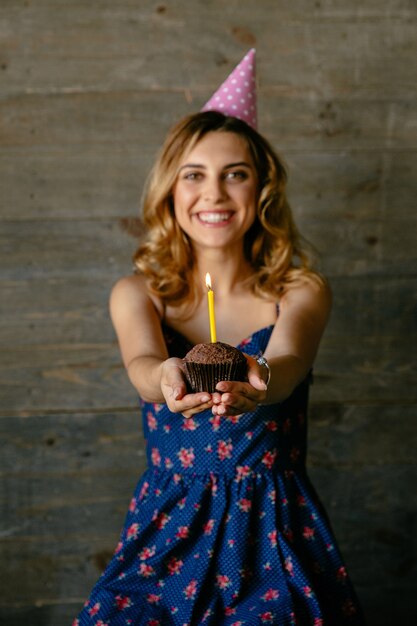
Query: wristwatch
[{"x": 261, "y": 360}]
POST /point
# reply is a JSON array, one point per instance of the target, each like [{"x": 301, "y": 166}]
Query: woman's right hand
[{"x": 174, "y": 389}]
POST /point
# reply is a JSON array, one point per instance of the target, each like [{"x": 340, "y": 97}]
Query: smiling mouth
[{"x": 214, "y": 217}]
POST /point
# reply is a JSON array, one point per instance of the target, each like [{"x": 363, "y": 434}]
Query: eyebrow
[{"x": 226, "y": 167}]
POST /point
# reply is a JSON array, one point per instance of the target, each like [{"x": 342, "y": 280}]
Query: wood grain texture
[{"x": 87, "y": 93}]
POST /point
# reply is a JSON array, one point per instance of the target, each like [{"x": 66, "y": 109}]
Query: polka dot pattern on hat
[{"x": 237, "y": 95}]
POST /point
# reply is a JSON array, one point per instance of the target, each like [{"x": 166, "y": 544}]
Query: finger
[{"x": 191, "y": 404}]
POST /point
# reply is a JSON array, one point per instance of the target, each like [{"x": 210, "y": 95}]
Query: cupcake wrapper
[{"x": 204, "y": 377}]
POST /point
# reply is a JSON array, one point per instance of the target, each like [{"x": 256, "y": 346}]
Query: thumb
[
  {"x": 174, "y": 379},
  {"x": 256, "y": 381}
]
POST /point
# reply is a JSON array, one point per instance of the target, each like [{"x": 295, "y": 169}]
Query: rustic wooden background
[{"x": 88, "y": 90}]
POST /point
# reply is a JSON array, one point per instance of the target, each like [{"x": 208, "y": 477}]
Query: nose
[{"x": 214, "y": 190}]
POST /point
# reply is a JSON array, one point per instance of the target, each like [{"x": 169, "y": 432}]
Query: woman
[{"x": 224, "y": 527}]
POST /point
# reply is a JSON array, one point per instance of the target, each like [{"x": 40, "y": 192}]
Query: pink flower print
[
  {"x": 228, "y": 610},
  {"x": 208, "y": 526},
  {"x": 168, "y": 463},
  {"x": 271, "y": 425},
  {"x": 318, "y": 621},
  {"x": 186, "y": 457},
  {"x": 132, "y": 532},
  {"x": 244, "y": 505},
  {"x": 269, "y": 458},
  {"x": 167, "y": 428},
  {"x": 284, "y": 502},
  {"x": 132, "y": 505},
  {"x": 190, "y": 590},
  {"x": 189, "y": 424},
  {"x": 272, "y": 536},
  {"x": 308, "y": 592},
  {"x": 157, "y": 407},
  {"x": 249, "y": 435},
  {"x": 272, "y": 495},
  {"x": 208, "y": 448},
  {"x": 157, "y": 492},
  {"x": 160, "y": 519},
  {"x": 147, "y": 553},
  {"x": 207, "y": 614},
  {"x": 242, "y": 471},
  {"x": 123, "y": 602},
  {"x": 153, "y": 622},
  {"x": 174, "y": 609},
  {"x": 224, "y": 450},
  {"x": 156, "y": 457},
  {"x": 294, "y": 454},
  {"x": 174, "y": 565},
  {"x": 266, "y": 617},
  {"x": 301, "y": 501},
  {"x": 233, "y": 419},
  {"x": 271, "y": 594},
  {"x": 308, "y": 533},
  {"x": 222, "y": 581},
  {"x": 181, "y": 503},
  {"x": 212, "y": 484},
  {"x": 76, "y": 622},
  {"x": 288, "y": 534},
  {"x": 152, "y": 421},
  {"x": 329, "y": 547},
  {"x": 144, "y": 491},
  {"x": 289, "y": 566},
  {"x": 146, "y": 570},
  {"x": 215, "y": 422},
  {"x": 118, "y": 547},
  {"x": 341, "y": 573},
  {"x": 153, "y": 598},
  {"x": 177, "y": 478},
  {"x": 183, "y": 532},
  {"x": 94, "y": 609},
  {"x": 101, "y": 623},
  {"x": 231, "y": 543},
  {"x": 267, "y": 566}
]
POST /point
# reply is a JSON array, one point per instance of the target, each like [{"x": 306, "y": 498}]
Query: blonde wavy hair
[{"x": 273, "y": 246}]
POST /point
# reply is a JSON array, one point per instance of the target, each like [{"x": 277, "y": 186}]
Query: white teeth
[{"x": 214, "y": 218}]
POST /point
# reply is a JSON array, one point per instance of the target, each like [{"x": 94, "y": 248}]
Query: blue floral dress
[{"x": 224, "y": 528}]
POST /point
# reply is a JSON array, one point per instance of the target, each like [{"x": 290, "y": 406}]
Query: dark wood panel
[
  {"x": 78, "y": 48},
  {"x": 55, "y": 249},
  {"x": 38, "y": 311},
  {"x": 103, "y": 119}
]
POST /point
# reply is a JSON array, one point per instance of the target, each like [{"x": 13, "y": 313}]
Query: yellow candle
[{"x": 210, "y": 300}]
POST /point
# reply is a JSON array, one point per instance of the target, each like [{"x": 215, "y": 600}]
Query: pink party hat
[{"x": 237, "y": 95}]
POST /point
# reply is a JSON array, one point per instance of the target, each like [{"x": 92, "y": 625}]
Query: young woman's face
[{"x": 216, "y": 191}]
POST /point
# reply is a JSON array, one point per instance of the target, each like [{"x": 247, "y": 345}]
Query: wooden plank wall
[{"x": 88, "y": 90}]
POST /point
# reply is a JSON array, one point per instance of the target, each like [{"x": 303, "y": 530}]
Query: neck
[{"x": 227, "y": 270}]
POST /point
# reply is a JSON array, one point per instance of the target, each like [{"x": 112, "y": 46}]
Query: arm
[
  {"x": 157, "y": 378},
  {"x": 304, "y": 312}
]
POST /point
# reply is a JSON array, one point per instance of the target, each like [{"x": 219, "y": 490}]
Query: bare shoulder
[
  {"x": 132, "y": 291},
  {"x": 313, "y": 294}
]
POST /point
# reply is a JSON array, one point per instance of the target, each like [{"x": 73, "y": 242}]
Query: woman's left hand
[{"x": 234, "y": 398}]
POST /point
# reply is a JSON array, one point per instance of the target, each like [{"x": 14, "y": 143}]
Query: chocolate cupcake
[{"x": 208, "y": 363}]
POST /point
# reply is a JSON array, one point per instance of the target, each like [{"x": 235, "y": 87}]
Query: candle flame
[{"x": 208, "y": 281}]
